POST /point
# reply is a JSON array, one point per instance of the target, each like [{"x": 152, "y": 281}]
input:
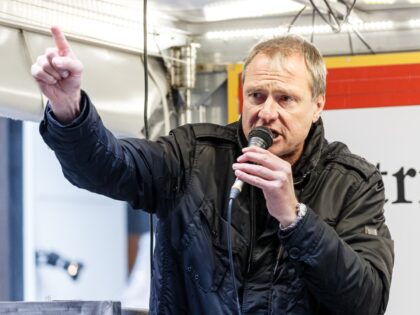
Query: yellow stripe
[
  {"x": 233, "y": 71},
  {"x": 373, "y": 60}
]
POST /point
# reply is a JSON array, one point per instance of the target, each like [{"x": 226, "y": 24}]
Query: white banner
[{"x": 389, "y": 138}]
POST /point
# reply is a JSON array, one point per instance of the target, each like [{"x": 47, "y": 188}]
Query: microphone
[{"x": 261, "y": 137}]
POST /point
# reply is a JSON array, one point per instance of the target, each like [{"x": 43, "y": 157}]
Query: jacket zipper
[
  {"x": 279, "y": 255},
  {"x": 251, "y": 248},
  {"x": 278, "y": 258}
]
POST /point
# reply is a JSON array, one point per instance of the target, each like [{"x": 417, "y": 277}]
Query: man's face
[{"x": 278, "y": 96}]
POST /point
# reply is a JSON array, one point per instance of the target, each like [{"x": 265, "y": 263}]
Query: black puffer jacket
[{"x": 338, "y": 260}]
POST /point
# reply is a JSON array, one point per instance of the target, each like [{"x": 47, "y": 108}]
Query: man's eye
[
  {"x": 257, "y": 96},
  {"x": 286, "y": 98}
]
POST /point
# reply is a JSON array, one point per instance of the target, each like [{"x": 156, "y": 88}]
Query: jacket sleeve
[
  {"x": 144, "y": 173},
  {"x": 348, "y": 268}
]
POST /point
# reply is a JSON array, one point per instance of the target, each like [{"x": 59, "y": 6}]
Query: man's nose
[{"x": 268, "y": 111}]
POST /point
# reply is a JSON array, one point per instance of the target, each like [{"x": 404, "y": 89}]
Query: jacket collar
[
  {"x": 243, "y": 141},
  {"x": 312, "y": 150}
]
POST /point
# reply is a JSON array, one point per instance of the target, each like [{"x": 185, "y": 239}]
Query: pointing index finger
[{"x": 60, "y": 41}]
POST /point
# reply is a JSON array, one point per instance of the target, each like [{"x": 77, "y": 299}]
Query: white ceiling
[
  {"x": 193, "y": 10},
  {"x": 398, "y": 14},
  {"x": 118, "y": 23}
]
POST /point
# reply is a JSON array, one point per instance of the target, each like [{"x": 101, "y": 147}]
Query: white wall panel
[
  {"x": 113, "y": 78},
  {"x": 19, "y": 95},
  {"x": 74, "y": 223},
  {"x": 389, "y": 136}
]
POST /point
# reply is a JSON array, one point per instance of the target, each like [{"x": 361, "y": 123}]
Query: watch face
[{"x": 302, "y": 209}]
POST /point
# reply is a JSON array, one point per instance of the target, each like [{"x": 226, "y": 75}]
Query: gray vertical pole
[
  {"x": 11, "y": 211},
  {"x": 4, "y": 212},
  {"x": 16, "y": 210}
]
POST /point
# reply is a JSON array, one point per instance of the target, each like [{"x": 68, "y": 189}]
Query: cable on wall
[
  {"x": 336, "y": 20},
  {"x": 295, "y": 19},
  {"x": 146, "y": 123}
]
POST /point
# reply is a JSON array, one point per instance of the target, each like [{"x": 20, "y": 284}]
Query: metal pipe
[
  {"x": 183, "y": 76},
  {"x": 188, "y": 106}
]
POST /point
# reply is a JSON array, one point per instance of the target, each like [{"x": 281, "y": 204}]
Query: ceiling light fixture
[
  {"x": 415, "y": 23},
  {"x": 300, "y": 30},
  {"x": 371, "y": 26},
  {"x": 227, "y": 10},
  {"x": 378, "y": 2}
]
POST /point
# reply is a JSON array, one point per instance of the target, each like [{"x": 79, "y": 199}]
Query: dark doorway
[{"x": 11, "y": 210}]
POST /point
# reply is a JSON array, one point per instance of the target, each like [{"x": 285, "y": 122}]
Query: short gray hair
[{"x": 288, "y": 45}]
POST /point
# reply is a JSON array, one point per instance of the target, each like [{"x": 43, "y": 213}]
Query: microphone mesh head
[{"x": 263, "y": 133}]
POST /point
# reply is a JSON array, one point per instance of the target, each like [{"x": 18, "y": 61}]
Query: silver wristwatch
[{"x": 301, "y": 210}]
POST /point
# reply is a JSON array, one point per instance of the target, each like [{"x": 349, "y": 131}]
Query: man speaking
[{"x": 308, "y": 232}]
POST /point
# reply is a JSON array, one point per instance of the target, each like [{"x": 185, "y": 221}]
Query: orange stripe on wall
[{"x": 373, "y": 86}]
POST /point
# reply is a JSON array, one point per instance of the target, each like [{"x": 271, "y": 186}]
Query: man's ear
[{"x": 319, "y": 106}]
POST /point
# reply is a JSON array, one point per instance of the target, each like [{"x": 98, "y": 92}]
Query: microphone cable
[
  {"x": 261, "y": 137},
  {"x": 146, "y": 123},
  {"x": 229, "y": 243},
  {"x": 146, "y": 74}
]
